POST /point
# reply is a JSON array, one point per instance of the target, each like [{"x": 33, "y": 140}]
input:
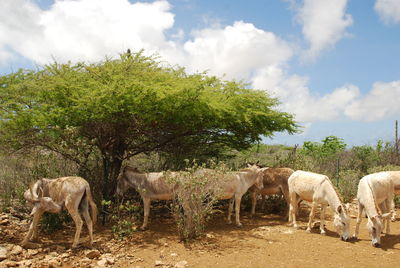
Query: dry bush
[{"x": 195, "y": 194}]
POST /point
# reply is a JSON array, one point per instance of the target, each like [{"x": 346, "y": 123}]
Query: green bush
[
  {"x": 126, "y": 216},
  {"x": 348, "y": 183}
]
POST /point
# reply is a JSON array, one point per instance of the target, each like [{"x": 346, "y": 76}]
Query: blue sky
[{"x": 334, "y": 64}]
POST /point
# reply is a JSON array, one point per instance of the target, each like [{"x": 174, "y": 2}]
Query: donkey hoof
[
  {"x": 143, "y": 228},
  {"x": 308, "y": 230},
  {"x": 323, "y": 233},
  {"x": 239, "y": 225}
]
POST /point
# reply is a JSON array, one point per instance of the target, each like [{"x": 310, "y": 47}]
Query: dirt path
[{"x": 264, "y": 241}]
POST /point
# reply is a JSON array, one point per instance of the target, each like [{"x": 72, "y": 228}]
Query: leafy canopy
[{"x": 133, "y": 104}]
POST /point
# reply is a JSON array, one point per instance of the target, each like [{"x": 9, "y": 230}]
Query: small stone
[
  {"x": 4, "y": 222},
  {"x": 174, "y": 255},
  {"x": 25, "y": 263},
  {"x": 181, "y": 264},
  {"x": 53, "y": 263},
  {"x": 110, "y": 260},
  {"x": 3, "y": 253},
  {"x": 93, "y": 254},
  {"x": 32, "y": 252},
  {"x": 102, "y": 263},
  {"x": 10, "y": 263},
  {"x": 53, "y": 254},
  {"x": 210, "y": 236},
  {"x": 16, "y": 250},
  {"x": 159, "y": 263}
]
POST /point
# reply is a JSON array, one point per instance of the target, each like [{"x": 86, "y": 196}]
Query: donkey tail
[{"x": 92, "y": 205}]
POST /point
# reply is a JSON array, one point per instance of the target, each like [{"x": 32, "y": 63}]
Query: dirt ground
[{"x": 263, "y": 241}]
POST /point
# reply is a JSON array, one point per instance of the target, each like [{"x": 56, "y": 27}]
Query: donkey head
[
  {"x": 375, "y": 226},
  {"x": 342, "y": 223}
]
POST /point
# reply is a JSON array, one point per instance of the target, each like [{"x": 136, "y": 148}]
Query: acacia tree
[{"x": 118, "y": 108}]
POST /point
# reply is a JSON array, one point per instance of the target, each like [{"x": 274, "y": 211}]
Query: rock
[
  {"x": 159, "y": 263},
  {"x": 16, "y": 250},
  {"x": 110, "y": 260},
  {"x": 31, "y": 252},
  {"x": 174, "y": 255},
  {"x": 3, "y": 253},
  {"x": 210, "y": 236},
  {"x": 9, "y": 264},
  {"x": 93, "y": 254},
  {"x": 4, "y": 222},
  {"x": 31, "y": 245},
  {"x": 102, "y": 263},
  {"x": 181, "y": 264},
  {"x": 25, "y": 263},
  {"x": 53, "y": 263}
]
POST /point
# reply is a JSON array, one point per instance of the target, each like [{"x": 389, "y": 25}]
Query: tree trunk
[{"x": 111, "y": 169}]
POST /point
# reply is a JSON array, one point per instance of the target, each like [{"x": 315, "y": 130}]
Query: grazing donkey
[
  {"x": 375, "y": 195},
  {"x": 318, "y": 189},
  {"x": 152, "y": 185},
  {"x": 275, "y": 181},
  {"x": 50, "y": 195}
]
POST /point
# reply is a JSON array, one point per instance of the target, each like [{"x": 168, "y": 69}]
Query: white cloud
[
  {"x": 297, "y": 98},
  {"x": 82, "y": 30},
  {"x": 237, "y": 50},
  {"x": 388, "y": 10},
  {"x": 381, "y": 102},
  {"x": 324, "y": 23}
]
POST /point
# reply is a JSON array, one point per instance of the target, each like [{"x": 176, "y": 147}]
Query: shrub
[
  {"x": 125, "y": 216},
  {"x": 195, "y": 194},
  {"x": 348, "y": 183}
]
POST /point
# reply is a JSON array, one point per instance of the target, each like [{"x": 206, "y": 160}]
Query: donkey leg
[
  {"x": 146, "y": 204},
  {"x": 293, "y": 209},
  {"x": 72, "y": 208},
  {"x": 393, "y": 210},
  {"x": 89, "y": 224},
  {"x": 237, "y": 211},
  {"x": 311, "y": 217},
  {"x": 322, "y": 222},
  {"x": 359, "y": 218},
  {"x": 230, "y": 209},
  {"x": 32, "y": 228},
  {"x": 253, "y": 202}
]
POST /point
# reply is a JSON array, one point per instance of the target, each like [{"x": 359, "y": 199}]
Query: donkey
[
  {"x": 318, "y": 189},
  {"x": 50, "y": 195},
  {"x": 275, "y": 181},
  {"x": 153, "y": 185},
  {"x": 375, "y": 195},
  {"x": 233, "y": 185}
]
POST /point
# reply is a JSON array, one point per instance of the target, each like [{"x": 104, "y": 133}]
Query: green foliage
[
  {"x": 330, "y": 146},
  {"x": 348, "y": 183},
  {"x": 125, "y": 216},
  {"x": 375, "y": 169},
  {"x": 51, "y": 222}
]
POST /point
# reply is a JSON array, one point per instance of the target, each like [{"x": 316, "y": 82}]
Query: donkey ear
[{"x": 386, "y": 215}]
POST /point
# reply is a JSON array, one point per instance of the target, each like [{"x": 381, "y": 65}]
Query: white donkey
[
  {"x": 375, "y": 195},
  {"x": 317, "y": 189},
  {"x": 151, "y": 185},
  {"x": 233, "y": 185},
  {"x": 395, "y": 177}
]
